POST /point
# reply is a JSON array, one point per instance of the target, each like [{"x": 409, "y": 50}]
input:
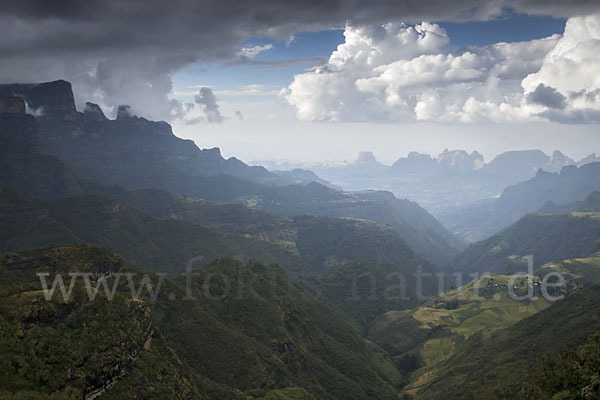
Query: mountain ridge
[
  {"x": 53, "y": 102},
  {"x": 136, "y": 153},
  {"x": 480, "y": 220},
  {"x": 551, "y": 234}
]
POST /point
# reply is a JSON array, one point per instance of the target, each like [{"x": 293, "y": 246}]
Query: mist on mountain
[{"x": 454, "y": 178}]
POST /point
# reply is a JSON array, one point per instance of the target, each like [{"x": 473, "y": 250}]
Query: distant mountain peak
[
  {"x": 568, "y": 170},
  {"x": 558, "y": 156},
  {"x": 460, "y": 159},
  {"x": 413, "y": 155},
  {"x": 589, "y": 159},
  {"x": 366, "y": 157},
  {"x": 213, "y": 151},
  {"x": 478, "y": 161},
  {"x": 558, "y": 161}
]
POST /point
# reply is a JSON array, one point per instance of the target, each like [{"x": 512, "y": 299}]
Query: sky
[{"x": 323, "y": 80}]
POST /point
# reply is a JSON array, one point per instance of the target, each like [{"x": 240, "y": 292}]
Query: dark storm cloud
[
  {"x": 555, "y": 8},
  {"x": 547, "y": 96},
  {"x": 589, "y": 95},
  {"x": 124, "y": 52},
  {"x": 201, "y": 27}
]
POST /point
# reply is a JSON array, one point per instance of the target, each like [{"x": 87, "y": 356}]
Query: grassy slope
[
  {"x": 421, "y": 231},
  {"x": 438, "y": 332},
  {"x": 144, "y": 241},
  {"x": 569, "y": 374},
  {"x": 548, "y": 237},
  {"x": 583, "y": 272},
  {"x": 485, "y": 364},
  {"x": 268, "y": 334},
  {"x": 431, "y": 333},
  {"x": 456, "y": 320},
  {"x": 341, "y": 252},
  {"x": 323, "y": 243}
]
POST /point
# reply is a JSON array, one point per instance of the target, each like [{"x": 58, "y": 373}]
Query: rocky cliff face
[
  {"x": 14, "y": 122},
  {"x": 557, "y": 162},
  {"x": 93, "y": 111},
  {"x": 460, "y": 160},
  {"x": 25, "y": 165},
  {"x": 11, "y": 105},
  {"x": 415, "y": 163},
  {"x": 448, "y": 161},
  {"x": 129, "y": 150},
  {"x": 53, "y": 99}
]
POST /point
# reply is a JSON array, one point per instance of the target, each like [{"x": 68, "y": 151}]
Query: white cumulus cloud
[
  {"x": 570, "y": 74},
  {"x": 397, "y": 72}
]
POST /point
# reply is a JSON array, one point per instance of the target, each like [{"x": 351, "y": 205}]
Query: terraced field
[
  {"x": 579, "y": 271},
  {"x": 433, "y": 331}
]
